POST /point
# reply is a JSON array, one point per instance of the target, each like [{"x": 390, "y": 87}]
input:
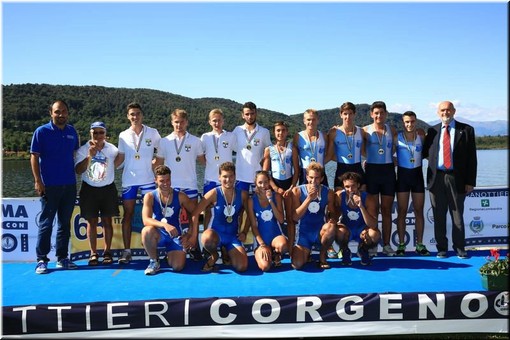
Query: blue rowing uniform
[
  {"x": 348, "y": 145},
  {"x": 267, "y": 223},
  {"x": 407, "y": 150},
  {"x": 352, "y": 218},
  {"x": 171, "y": 213},
  {"x": 376, "y": 143},
  {"x": 226, "y": 230},
  {"x": 314, "y": 218}
]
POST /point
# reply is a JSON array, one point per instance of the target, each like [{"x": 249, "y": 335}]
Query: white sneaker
[
  {"x": 153, "y": 267},
  {"x": 388, "y": 251}
]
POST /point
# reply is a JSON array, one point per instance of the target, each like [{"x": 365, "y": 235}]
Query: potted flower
[{"x": 495, "y": 272}]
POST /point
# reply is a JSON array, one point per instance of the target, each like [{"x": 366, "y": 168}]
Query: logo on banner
[
  {"x": 501, "y": 303},
  {"x": 430, "y": 216},
  {"x": 9, "y": 242},
  {"x": 476, "y": 225},
  {"x": 485, "y": 203}
]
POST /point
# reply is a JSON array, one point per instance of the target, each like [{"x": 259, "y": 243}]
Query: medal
[
  {"x": 381, "y": 141},
  {"x": 137, "y": 145},
  {"x": 282, "y": 171},
  {"x": 216, "y": 158},
  {"x": 229, "y": 207},
  {"x": 410, "y": 148},
  {"x": 313, "y": 146},
  {"x": 164, "y": 220},
  {"x": 349, "y": 145},
  {"x": 249, "y": 139},
  {"x": 178, "y": 149}
]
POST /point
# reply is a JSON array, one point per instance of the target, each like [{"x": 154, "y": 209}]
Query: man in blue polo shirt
[{"x": 52, "y": 160}]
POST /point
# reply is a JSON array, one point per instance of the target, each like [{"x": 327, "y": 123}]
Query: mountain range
[{"x": 488, "y": 128}]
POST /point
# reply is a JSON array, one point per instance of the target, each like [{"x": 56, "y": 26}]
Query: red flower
[{"x": 495, "y": 253}]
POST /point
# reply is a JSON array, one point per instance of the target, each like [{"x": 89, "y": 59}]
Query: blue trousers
[{"x": 58, "y": 201}]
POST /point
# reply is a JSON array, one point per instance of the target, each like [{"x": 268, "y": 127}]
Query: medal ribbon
[
  {"x": 380, "y": 140},
  {"x": 413, "y": 148},
  {"x": 248, "y": 140},
  {"x": 178, "y": 150},
  {"x": 161, "y": 202},
  {"x": 313, "y": 146},
  {"x": 349, "y": 145},
  {"x": 137, "y": 146},
  {"x": 229, "y": 205}
]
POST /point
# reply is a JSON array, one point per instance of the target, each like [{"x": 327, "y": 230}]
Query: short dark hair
[
  {"x": 58, "y": 101},
  {"x": 378, "y": 105},
  {"x": 227, "y": 166},
  {"x": 409, "y": 113},
  {"x": 348, "y": 106},
  {"x": 133, "y": 105},
  {"x": 162, "y": 170},
  {"x": 250, "y": 105},
  {"x": 351, "y": 176}
]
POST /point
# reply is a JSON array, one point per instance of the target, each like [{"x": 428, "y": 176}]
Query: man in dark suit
[{"x": 451, "y": 174}]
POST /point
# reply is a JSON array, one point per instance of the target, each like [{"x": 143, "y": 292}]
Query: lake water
[{"x": 17, "y": 180}]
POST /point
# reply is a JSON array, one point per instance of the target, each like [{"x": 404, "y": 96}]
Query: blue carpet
[{"x": 21, "y": 286}]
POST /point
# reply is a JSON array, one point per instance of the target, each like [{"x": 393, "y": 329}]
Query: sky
[{"x": 283, "y": 56}]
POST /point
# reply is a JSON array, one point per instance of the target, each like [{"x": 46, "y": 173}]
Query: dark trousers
[
  {"x": 58, "y": 201},
  {"x": 444, "y": 197}
]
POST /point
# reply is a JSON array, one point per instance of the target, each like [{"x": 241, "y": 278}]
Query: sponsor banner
[
  {"x": 485, "y": 217},
  {"x": 403, "y": 311}
]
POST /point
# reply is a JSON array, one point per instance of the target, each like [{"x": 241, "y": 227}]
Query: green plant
[{"x": 495, "y": 267}]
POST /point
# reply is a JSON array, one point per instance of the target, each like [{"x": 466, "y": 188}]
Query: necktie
[{"x": 447, "y": 151}]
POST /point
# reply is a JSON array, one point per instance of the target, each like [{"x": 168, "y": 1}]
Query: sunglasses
[{"x": 98, "y": 132}]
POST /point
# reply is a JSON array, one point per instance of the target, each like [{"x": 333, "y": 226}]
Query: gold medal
[
  {"x": 282, "y": 171},
  {"x": 164, "y": 220},
  {"x": 137, "y": 156},
  {"x": 349, "y": 156},
  {"x": 411, "y": 160},
  {"x": 178, "y": 158},
  {"x": 312, "y": 159},
  {"x": 248, "y": 146},
  {"x": 381, "y": 152},
  {"x": 216, "y": 158},
  {"x": 229, "y": 219}
]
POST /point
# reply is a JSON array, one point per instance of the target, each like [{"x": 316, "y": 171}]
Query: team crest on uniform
[
  {"x": 225, "y": 144},
  {"x": 148, "y": 142},
  {"x": 187, "y": 147}
]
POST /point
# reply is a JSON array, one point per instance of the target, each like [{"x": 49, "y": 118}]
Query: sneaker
[
  {"x": 346, "y": 257},
  {"x": 126, "y": 257},
  {"x": 422, "y": 250},
  {"x": 66, "y": 264},
  {"x": 42, "y": 267},
  {"x": 195, "y": 254},
  {"x": 442, "y": 254},
  {"x": 364, "y": 256},
  {"x": 462, "y": 254},
  {"x": 401, "y": 250},
  {"x": 332, "y": 254},
  {"x": 388, "y": 251},
  {"x": 152, "y": 268}
]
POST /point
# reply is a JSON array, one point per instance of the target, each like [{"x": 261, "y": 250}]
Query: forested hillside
[{"x": 25, "y": 107}]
